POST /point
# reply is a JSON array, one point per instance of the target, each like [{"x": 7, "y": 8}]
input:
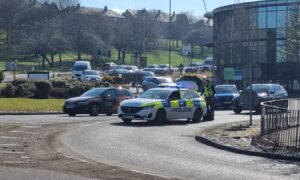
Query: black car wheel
[
  {"x": 237, "y": 111},
  {"x": 160, "y": 116},
  {"x": 94, "y": 110},
  {"x": 197, "y": 115},
  {"x": 72, "y": 114},
  {"x": 127, "y": 121}
]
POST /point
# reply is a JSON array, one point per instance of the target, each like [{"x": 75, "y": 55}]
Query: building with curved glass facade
[{"x": 264, "y": 33}]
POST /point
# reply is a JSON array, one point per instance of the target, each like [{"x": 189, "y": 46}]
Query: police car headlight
[{"x": 148, "y": 107}]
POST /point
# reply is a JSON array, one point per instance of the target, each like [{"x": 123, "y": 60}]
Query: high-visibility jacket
[{"x": 208, "y": 91}]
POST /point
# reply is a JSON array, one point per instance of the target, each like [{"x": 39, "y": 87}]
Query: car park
[
  {"x": 154, "y": 82},
  {"x": 96, "y": 101},
  {"x": 151, "y": 67},
  {"x": 79, "y": 67},
  {"x": 225, "y": 95},
  {"x": 260, "y": 93},
  {"x": 161, "y": 104},
  {"x": 108, "y": 66},
  {"x": 164, "y": 69},
  {"x": 90, "y": 76},
  {"x": 193, "y": 68}
]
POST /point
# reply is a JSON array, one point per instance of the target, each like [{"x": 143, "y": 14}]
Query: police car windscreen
[{"x": 155, "y": 94}]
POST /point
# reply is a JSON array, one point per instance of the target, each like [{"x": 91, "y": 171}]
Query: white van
[{"x": 79, "y": 67}]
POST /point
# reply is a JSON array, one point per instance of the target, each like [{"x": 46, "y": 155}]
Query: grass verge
[{"x": 30, "y": 105}]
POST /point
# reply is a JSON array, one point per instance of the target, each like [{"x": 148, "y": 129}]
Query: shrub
[
  {"x": 108, "y": 79},
  {"x": 24, "y": 90},
  {"x": 8, "y": 91},
  {"x": 61, "y": 93},
  {"x": 21, "y": 81},
  {"x": 118, "y": 80},
  {"x": 59, "y": 84},
  {"x": 43, "y": 89},
  {"x": 1, "y": 76}
]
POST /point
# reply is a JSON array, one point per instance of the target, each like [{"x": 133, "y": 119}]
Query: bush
[
  {"x": 59, "y": 84},
  {"x": 24, "y": 90},
  {"x": 60, "y": 93},
  {"x": 108, "y": 79},
  {"x": 1, "y": 76},
  {"x": 118, "y": 80},
  {"x": 43, "y": 89},
  {"x": 8, "y": 91},
  {"x": 21, "y": 81}
]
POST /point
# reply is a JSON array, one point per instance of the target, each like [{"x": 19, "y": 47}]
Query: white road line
[
  {"x": 24, "y": 132},
  {"x": 9, "y": 145},
  {"x": 11, "y": 137},
  {"x": 31, "y": 127},
  {"x": 11, "y": 152}
]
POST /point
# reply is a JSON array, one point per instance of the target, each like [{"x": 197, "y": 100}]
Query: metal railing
[{"x": 280, "y": 123}]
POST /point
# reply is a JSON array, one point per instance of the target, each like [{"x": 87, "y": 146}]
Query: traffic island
[{"x": 240, "y": 138}]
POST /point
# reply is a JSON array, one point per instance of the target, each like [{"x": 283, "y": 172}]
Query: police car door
[
  {"x": 188, "y": 101},
  {"x": 173, "y": 110}
]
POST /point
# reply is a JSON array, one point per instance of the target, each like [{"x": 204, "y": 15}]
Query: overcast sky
[{"x": 195, "y": 6}]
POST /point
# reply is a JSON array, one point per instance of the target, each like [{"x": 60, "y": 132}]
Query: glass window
[
  {"x": 281, "y": 8},
  {"x": 271, "y": 22},
  {"x": 253, "y": 20},
  {"x": 281, "y": 53},
  {"x": 281, "y": 18},
  {"x": 281, "y": 33},
  {"x": 262, "y": 52},
  {"x": 109, "y": 94},
  {"x": 262, "y": 20}
]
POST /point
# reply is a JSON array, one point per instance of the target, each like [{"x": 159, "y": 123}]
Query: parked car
[
  {"x": 225, "y": 95},
  {"x": 154, "y": 82},
  {"x": 193, "y": 68},
  {"x": 115, "y": 69},
  {"x": 261, "y": 93},
  {"x": 79, "y": 67},
  {"x": 96, "y": 101},
  {"x": 138, "y": 77},
  {"x": 191, "y": 82},
  {"x": 151, "y": 67},
  {"x": 208, "y": 64},
  {"x": 108, "y": 66},
  {"x": 90, "y": 76},
  {"x": 164, "y": 69},
  {"x": 122, "y": 69}
]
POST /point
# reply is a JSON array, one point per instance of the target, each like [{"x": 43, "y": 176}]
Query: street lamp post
[{"x": 170, "y": 28}]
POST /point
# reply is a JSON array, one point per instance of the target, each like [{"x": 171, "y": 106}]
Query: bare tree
[{"x": 143, "y": 32}]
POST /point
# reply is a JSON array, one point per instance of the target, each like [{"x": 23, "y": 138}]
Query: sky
[{"x": 194, "y": 6}]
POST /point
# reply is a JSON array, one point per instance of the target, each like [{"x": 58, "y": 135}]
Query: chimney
[{"x": 105, "y": 8}]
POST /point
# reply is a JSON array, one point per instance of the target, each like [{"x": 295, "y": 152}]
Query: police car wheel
[
  {"x": 197, "y": 115},
  {"x": 160, "y": 116},
  {"x": 72, "y": 114},
  {"x": 127, "y": 121},
  {"x": 94, "y": 110},
  {"x": 237, "y": 111}
]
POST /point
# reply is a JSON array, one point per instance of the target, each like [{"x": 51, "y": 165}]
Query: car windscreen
[
  {"x": 232, "y": 88},
  {"x": 223, "y": 90},
  {"x": 155, "y": 94},
  {"x": 260, "y": 88},
  {"x": 151, "y": 66},
  {"x": 93, "y": 92},
  {"x": 90, "y": 72},
  {"x": 166, "y": 80},
  {"x": 80, "y": 67}
]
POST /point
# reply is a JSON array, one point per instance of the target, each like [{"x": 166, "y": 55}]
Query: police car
[{"x": 161, "y": 104}]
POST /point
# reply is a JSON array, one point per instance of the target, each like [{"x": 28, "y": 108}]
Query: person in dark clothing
[
  {"x": 180, "y": 67},
  {"x": 209, "y": 94}
]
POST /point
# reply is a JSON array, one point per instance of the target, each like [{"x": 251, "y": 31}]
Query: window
[
  {"x": 262, "y": 20},
  {"x": 262, "y": 52},
  {"x": 110, "y": 94},
  {"x": 281, "y": 52},
  {"x": 186, "y": 95},
  {"x": 123, "y": 92},
  {"x": 271, "y": 22},
  {"x": 195, "y": 95},
  {"x": 174, "y": 95},
  {"x": 281, "y": 19}
]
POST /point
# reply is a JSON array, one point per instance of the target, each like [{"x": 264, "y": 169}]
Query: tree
[{"x": 143, "y": 33}]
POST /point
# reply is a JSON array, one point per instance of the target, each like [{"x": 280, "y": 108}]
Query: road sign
[{"x": 228, "y": 74}]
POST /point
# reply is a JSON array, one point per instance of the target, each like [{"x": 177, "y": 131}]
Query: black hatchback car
[
  {"x": 97, "y": 101},
  {"x": 261, "y": 93}
]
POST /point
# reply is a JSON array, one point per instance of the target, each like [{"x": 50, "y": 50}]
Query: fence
[{"x": 280, "y": 123}]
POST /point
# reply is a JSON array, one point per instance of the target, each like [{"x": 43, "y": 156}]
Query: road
[{"x": 171, "y": 151}]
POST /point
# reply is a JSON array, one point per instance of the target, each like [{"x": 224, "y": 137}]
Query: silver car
[{"x": 155, "y": 82}]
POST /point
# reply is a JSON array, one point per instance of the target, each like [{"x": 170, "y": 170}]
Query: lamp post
[{"x": 170, "y": 28}]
